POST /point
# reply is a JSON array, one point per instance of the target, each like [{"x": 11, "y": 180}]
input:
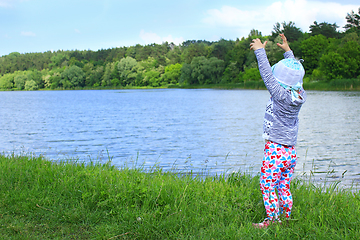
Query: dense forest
[{"x": 327, "y": 53}]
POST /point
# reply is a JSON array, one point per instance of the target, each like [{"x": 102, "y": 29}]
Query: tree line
[{"x": 328, "y": 54}]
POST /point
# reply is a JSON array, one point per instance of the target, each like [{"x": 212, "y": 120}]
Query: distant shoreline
[{"x": 333, "y": 85}]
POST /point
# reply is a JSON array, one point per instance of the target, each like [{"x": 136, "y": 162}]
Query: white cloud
[
  {"x": 302, "y": 12},
  {"x": 149, "y": 37},
  {"x": 77, "y": 30},
  {"x": 176, "y": 41},
  {"x": 9, "y": 3},
  {"x": 28, "y": 34}
]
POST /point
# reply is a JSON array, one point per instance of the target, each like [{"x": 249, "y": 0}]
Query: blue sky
[{"x": 43, "y": 25}]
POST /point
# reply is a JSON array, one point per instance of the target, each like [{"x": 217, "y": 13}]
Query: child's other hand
[
  {"x": 284, "y": 46},
  {"x": 256, "y": 44}
]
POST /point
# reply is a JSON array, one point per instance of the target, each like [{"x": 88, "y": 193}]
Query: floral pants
[{"x": 276, "y": 172}]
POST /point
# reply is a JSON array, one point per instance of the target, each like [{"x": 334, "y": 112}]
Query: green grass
[
  {"x": 334, "y": 85},
  {"x": 41, "y": 199},
  {"x": 257, "y": 85}
]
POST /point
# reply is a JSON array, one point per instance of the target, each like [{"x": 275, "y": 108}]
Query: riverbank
[
  {"x": 333, "y": 85},
  {"x": 41, "y": 199}
]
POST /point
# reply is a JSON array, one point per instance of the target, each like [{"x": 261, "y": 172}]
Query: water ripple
[{"x": 216, "y": 130}]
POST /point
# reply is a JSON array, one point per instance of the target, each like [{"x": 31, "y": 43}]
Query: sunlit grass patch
[{"x": 41, "y": 199}]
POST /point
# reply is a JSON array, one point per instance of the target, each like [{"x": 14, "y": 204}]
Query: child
[{"x": 284, "y": 82}]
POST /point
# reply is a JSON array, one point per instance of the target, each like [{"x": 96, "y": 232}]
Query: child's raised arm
[{"x": 284, "y": 46}]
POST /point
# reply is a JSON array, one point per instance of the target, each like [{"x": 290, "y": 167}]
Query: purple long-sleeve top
[{"x": 281, "y": 122}]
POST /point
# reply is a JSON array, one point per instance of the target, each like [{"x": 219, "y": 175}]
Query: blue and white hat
[{"x": 289, "y": 71}]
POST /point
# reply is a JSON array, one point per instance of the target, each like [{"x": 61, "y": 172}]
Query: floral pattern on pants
[{"x": 276, "y": 172}]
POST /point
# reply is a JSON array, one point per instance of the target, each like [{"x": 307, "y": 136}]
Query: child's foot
[
  {"x": 266, "y": 223},
  {"x": 263, "y": 224}
]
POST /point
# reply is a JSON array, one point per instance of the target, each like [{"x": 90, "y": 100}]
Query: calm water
[{"x": 215, "y": 131}]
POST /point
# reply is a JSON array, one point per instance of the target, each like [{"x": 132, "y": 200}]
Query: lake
[{"x": 202, "y": 130}]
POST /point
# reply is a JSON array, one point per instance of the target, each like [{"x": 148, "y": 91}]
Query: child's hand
[
  {"x": 256, "y": 44},
  {"x": 284, "y": 45}
]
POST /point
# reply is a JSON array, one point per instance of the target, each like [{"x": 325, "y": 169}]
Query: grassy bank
[
  {"x": 257, "y": 85},
  {"x": 40, "y": 199},
  {"x": 333, "y": 85}
]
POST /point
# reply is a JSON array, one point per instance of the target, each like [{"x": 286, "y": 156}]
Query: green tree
[
  {"x": 106, "y": 78},
  {"x": 47, "y": 80},
  {"x": 353, "y": 36},
  {"x": 55, "y": 80},
  {"x": 149, "y": 64},
  {"x": 216, "y": 70},
  {"x": 221, "y": 49},
  {"x": 172, "y": 74},
  {"x": 97, "y": 75},
  {"x": 73, "y": 76},
  {"x": 351, "y": 53},
  {"x": 174, "y": 55},
  {"x": 200, "y": 70},
  {"x": 7, "y": 81},
  {"x": 312, "y": 50},
  {"x": 31, "y": 85},
  {"x": 20, "y": 81},
  {"x": 58, "y": 59},
  {"x": 36, "y": 75},
  {"x": 115, "y": 82},
  {"x": 255, "y": 33},
  {"x": 333, "y": 65},
  {"x": 127, "y": 68},
  {"x": 273, "y": 52},
  {"x": 135, "y": 52},
  {"x": 251, "y": 61},
  {"x": 185, "y": 76},
  {"x": 111, "y": 75},
  {"x": 251, "y": 74},
  {"x": 195, "y": 50},
  {"x": 93, "y": 78},
  {"x": 231, "y": 73},
  {"x": 291, "y": 32},
  {"x": 152, "y": 78},
  {"x": 324, "y": 28},
  {"x": 74, "y": 61},
  {"x": 239, "y": 52},
  {"x": 9, "y": 63},
  {"x": 353, "y": 20},
  {"x": 88, "y": 71},
  {"x": 206, "y": 71},
  {"x": 114, "y": 73}
]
